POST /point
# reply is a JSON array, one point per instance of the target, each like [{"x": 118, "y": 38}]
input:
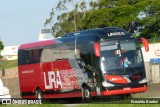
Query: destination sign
[{"x": 116, "y": 34}]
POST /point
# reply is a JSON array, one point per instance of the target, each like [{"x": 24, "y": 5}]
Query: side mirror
[
  {"x": 145, "y": 43},
  {"x": 97, "y": 49}
]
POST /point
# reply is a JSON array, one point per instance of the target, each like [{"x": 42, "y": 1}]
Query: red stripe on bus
[
  {"x": 37, "y": 44},
  {"x": 65, "y": 95},
  {"x": 124, "y": 91},
  {"x": 93, "y": 93}
]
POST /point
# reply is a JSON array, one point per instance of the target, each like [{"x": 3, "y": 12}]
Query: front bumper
[{"x": 126, "y": 90}]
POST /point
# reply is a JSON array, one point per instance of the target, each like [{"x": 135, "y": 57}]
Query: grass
[
  {"x": 119, "y": 105},
  {"x": 85, "y": 105},
  {"x": 94, "y": 104},
  {"x": 34, "y": 105},
  {"x": 154, "y": 40},
  {"x": 8, "y": 64}
]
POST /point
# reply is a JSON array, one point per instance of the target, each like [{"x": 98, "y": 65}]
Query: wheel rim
[
  {"x": 39, "y": 96},
  {"x": 86, "y": 93}
]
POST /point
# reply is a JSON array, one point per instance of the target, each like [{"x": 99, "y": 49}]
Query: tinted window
[
  {"x": 82, "y": 52},
  {"x": 29, "y": 56},
  {"x": 58, "y": 52},
  {"x": 131, "y": 51}
]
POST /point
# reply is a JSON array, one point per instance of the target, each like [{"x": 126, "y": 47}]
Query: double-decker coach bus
[{"x": 95, "y": 62}]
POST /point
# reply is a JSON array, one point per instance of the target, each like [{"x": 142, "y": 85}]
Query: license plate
[{"x": 127, "y": 88}]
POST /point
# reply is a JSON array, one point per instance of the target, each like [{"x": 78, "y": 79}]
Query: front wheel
[{"x": 85, "y": 94}]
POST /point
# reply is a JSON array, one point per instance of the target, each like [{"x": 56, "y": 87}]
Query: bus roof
[
  {"x": 39, "y": 44},
  {"x": 105, "y": 30}
]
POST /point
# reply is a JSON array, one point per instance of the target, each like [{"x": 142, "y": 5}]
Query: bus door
[
  {"x": 96, "y": 69},
  {"x": 84, "y": 59}
]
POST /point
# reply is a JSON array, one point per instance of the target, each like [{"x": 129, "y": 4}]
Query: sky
[{"x": 22, "y": 20}]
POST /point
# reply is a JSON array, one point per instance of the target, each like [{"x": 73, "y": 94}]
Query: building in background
[
  {"x": 42, "y": 37},
  {"x": 45, "y": 34},
  {"x": 10, "y": 52}
]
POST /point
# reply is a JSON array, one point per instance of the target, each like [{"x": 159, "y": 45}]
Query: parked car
[{"x": 4, "y": 91}]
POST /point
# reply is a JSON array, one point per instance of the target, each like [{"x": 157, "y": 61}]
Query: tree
[
  {"x": 150, "y": 23},
  {"x": 142, "y": 16},
  {"x": 1, "y": 46},
  {"x": 124, "y": 16},
  {"x": 133, "y": 15},
  {"x": 67, "y": 21}
]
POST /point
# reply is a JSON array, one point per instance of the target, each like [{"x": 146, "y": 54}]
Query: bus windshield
[{"x": 120, "y": 54}]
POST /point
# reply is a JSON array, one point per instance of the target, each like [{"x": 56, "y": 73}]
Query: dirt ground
[
  {"x": 153, "y": 91},
  {"x": 11, "y": 81}
]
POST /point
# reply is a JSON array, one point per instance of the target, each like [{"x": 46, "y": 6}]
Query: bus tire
[
  {"x": 39, "y": 94},
  {"x": 85, "y": 94}
]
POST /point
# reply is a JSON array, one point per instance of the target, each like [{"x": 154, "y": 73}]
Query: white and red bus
[{"x": 95, "y": 62}]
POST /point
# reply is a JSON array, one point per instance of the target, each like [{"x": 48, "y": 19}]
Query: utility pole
[
  {"x": 75, "y": 8},
  {"x": 75, "y": 26}
]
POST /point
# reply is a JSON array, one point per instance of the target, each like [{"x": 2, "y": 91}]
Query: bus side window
[
  {"x": 37, "y": 54},
  {"x": 67, "y": 51},
  {"x": 56, "y": 52},
  {"x": 82, "y": 52},
  {"x": 46, "y": 55},
  {"x": 34, "y": 55},
  {"x": 24, "y": 57}
]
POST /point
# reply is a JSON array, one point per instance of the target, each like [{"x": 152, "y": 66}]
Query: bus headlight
[
  {"x": 143, "y": 80},
  {"x": 106, "y": 84}
]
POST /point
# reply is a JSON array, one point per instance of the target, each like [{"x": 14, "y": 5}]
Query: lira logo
[{"x": 54, "y": 80}]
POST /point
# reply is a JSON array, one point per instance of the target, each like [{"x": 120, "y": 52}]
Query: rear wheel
[{"x": 38, "y": 94}]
